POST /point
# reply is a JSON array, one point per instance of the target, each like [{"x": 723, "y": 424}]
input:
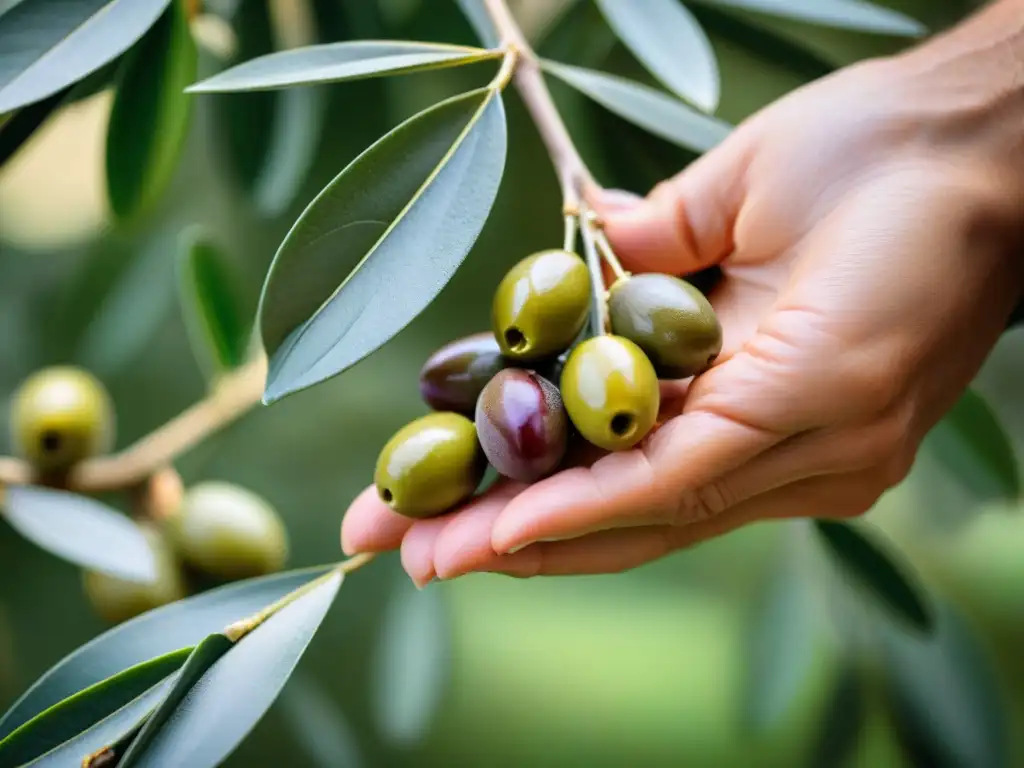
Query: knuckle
[{"x": 694, "y": 506}]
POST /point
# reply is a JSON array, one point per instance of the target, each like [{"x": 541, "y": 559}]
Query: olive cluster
[
  {"x": 209, "y": 533},
  {"x": 517, "y": 396}
]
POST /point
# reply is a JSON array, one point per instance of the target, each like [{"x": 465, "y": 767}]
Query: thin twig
[
  {"x": 608, "y": 253},
  {"x": 569, "y": 240},
  {"x": 598, "y": 305},
  {"x": 573, "y": 175},
  {"x": 233, "y": 396}
]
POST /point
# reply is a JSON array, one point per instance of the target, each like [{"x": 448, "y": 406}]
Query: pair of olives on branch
[
  {"x": 211, "y": 533},
  {"x": 517, "y": 396}
]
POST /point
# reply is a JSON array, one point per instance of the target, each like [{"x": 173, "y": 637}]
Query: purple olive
[
  {"x": 522, "y": 425},
  {"x": 453, "y": 377}
]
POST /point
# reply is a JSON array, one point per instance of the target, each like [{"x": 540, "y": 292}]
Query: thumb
[{"x": 686, "y": 223}]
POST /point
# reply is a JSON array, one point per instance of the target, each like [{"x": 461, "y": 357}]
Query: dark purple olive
[
  {"x": 453, "y": 377},
  {"x": 522, "y": 425}
]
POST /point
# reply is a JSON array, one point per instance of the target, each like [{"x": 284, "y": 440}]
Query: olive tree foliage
[{"x": 184, "y": 684}]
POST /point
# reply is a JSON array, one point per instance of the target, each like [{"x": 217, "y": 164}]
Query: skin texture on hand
[{"x": 870, "y": 244}]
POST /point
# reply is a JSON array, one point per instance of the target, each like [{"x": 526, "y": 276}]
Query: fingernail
[
  {"x": 423, "y": 585},
  {"x": 517, "y": 548},
  {"x": 617, "y": 199}
]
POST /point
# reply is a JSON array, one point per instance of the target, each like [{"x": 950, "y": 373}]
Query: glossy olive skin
[
  {"x": 670, "y": 320},
  {"x": 116, "y": 600},
  {"x": 541, "y": 305},
  {"x": 522, "y": 426},
  {"x": 611, "y": 392},
  {"x": 454, "y": 376},
  {"x": 430, "y": 465},
  {"x": 60, "y": 416},
  {"x": 228, "y": 532}
]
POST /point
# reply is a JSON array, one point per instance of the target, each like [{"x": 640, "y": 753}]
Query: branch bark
[{"x": 573, "y": 175}]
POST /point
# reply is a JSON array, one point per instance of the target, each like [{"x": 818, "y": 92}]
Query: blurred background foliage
[{"x": 644, "y": 668}]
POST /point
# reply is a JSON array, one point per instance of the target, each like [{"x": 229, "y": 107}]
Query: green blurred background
[{"x": 643, "y": 668}]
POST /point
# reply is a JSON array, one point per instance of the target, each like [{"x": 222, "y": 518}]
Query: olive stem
[
  {"x": 569, "y": 240},
  {"x": 243, "y": 627},
  {"x": 573, "y": 174},
  {"x": 609, "y": 255},
  {"x": 598, "y": 305},
  {"x": 232, "y": 397}
]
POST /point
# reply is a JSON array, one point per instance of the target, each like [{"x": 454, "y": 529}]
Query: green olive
[
  {"x": 116, "y": 600},
  {"x": 228, "y": 532},
  {"x": 430, "y": 465},
  {"x": 611, "y": 392},
  {"x": 670, "y": 320},
  {"x": 60, "y": 416},
  {"x": 541, "y": 305}
]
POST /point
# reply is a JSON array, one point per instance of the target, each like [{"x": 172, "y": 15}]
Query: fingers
[
  {"x": 370, "y": 526},
  {"x": 643, "y": 486},
  {"x": 686, "y": 223},
  {"x": 460, "y": 548}
]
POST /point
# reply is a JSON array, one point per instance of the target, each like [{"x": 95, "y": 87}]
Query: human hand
[{"x": 868, "y": 242}]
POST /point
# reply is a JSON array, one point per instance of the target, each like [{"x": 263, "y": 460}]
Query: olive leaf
[
  {"x": 203, "y": 720},
  {"x": 781, "y": 641},
  {"x": 662, "y": 115},
  {"x": 671, "y": 44},
  {"x": 210, "y": 304},
  {"x": 337, "y": 62},
  {"x": 271, "y": 164},
  {"x": 478, "y": 18},
  {"x": 81, "y": 530},
  {"x": 157, "y": 632},
  {"x": 842, "y": 721},
  {"x": 320, "y": 726},
  {"x": 83, "y": 710},
  {"x": 108, "y": 738},
  {"x": 975, "y": 448},
  {"x": 150, "y": 117},
  {"x": 873, "y": 568},
  {"x": 857, "y": 15},
  {"x": 355, "y": 269},
  {"x": 51, "y": 44},
  {"x": 947, "y": 701},
  {"x": 412, "y": 664},
  {"x": 135, "y": 295}
]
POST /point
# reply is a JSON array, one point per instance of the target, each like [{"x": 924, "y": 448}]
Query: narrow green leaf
[
  {"x": 202, "y": 658},
  {"x": 974, "y": 447},
  {"x": 225, "y": 704},
  {"x": 210, "y": 304},
  {"x": 948, "y": 701},
  {"x": 781, "y": 645},
  {"x": 160, "y": 631},
  {"x": 319, "y": 725},
  {"x": 412, "y": 665},
  {"x": 672, "y": 46},
  {"x": 81, "y": 711},
  {"x": 356, "y": 269},
  {"x": 110, "y": 736},
  {"x": 337, "y": 62},
  {"x": 876, "y": 570},
  {"x": 652, "y": 110},
  {"x": 133, "y": 306},
  {"x": 842, "y": 722},
  {"x": 858, "y": 15},
  {"x": 81, "y": 530},
  {"x": 478, "y": 18},
  {"x": 150, "y": 116},
  {"x": 51, "y": 44}
]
